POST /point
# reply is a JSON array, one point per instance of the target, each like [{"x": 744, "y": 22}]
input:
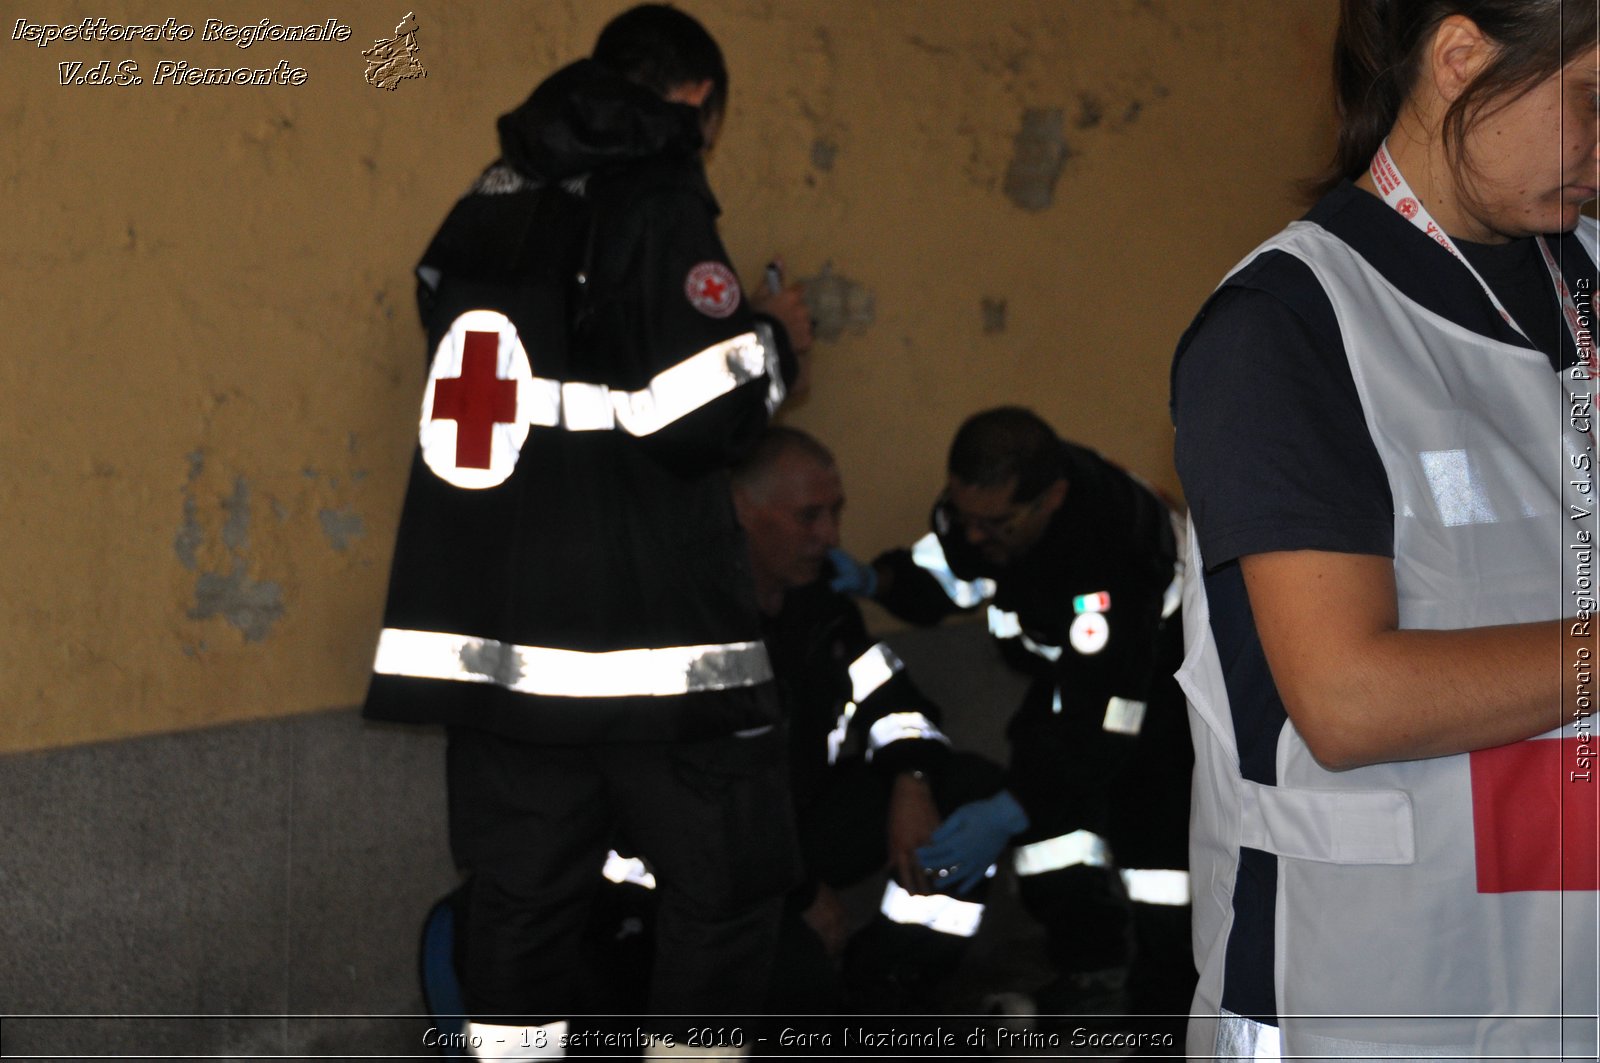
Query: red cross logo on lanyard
[{"x": 476, "y": 401}]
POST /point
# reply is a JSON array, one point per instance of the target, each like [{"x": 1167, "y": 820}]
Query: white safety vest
[{"x": 1420, "y": 908}]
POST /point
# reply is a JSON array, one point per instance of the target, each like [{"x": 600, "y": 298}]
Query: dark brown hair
[
  {"x": 1007, "y": 443},
  {"x": 660, "y": 47},
  {"x": 1380, "y": 48}
]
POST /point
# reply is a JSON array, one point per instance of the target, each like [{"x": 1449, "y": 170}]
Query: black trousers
[
  {"x": 531, "y": 825},
  {"x": 889, "y": 967}
]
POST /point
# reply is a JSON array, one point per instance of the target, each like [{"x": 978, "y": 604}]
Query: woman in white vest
[{"x": 1386, "y": 437}]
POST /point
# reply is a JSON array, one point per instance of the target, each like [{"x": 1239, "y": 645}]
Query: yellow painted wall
[{"x": 213, "y": 361}]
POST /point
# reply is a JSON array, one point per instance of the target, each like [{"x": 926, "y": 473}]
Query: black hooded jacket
[{"x": 525, "y": 604}]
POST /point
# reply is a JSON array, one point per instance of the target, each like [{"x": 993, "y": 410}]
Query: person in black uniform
[
  {"x": 1076, "y": 561},
  {"x": 872, "y": 774},
  {"x": 569, "y": 590}
]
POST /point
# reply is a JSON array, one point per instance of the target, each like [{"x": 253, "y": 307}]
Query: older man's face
[{"x": 791, "y": 517}]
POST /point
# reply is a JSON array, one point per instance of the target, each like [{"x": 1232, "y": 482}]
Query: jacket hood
[{"x": 584, "y": 117}]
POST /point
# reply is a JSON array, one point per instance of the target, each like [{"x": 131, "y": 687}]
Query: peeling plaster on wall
[
  {"x": 249, "y": 605},
  {"x": 838, "y": 304},
  {"x": 925, "y": 46},
  {"x": 186, "y": 544},
  {"x": 1038, "y": 154},
  {"x": 994, "y": 316},
  {"x": 1090, "y": 111},
  {"x": 823, "y": 152},
  {"x": 236, "y": 531},
  {"x": 341, "y": 525}
]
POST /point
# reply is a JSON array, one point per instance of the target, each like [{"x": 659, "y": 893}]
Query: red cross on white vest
[
  {"x": 477, "y": 400},
  {"x": 1534, "y": 816}
]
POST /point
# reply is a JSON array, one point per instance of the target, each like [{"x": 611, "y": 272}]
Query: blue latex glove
[
  {"x": 851, "y": 576},
  {"x": 967, "y": 844}
]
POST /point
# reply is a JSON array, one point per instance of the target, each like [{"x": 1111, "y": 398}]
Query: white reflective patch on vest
[
  {"x": 1064, "y": 850},
  {"x": 1242, "y": 1038},
  {"x": 871, "y": 670},
  {"x": 479, "y": 401},
  {"x": 936, "y": 911},
  {"x": 1156, "y": 886},
  {"x": 1124, "y": 717},
  {"x": 928, "y": 554},
  {"x": 1089, "y": 633},
  {"x": 899, "y": 726},
  {"x": 628, "y": 869},
  {"x": 1457, "y": 490},
  {"x": 662, "y": 671}
]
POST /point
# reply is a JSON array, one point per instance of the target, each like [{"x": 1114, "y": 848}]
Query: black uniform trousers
[
  {"x": 531, "y": 825},
  {"x": 1150, "y": 831},
  {"x": 889, "y": 967}
]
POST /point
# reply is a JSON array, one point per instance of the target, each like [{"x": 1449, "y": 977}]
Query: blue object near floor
[{"x": 441, "y": 990}]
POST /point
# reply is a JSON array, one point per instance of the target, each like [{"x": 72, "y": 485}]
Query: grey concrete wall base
[
  {"x": 256, "y": 891},
  {"x": 269, "y": 869}
]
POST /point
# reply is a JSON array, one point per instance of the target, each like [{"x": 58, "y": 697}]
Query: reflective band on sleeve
[
  {"x": 689, "y": 385},
  {"x": 1004, "y": 624},
  {"x": 1156, "y": 886},
  {"x": 1242, "y": 1038},
  {"x": 620, "y": 869},
  {"x": 936, "y": 911},
  {"x": 1007, "y": 625},
  {"x": 489, "y": 1041},
  {"x": 928, "y": 555},
  {"x": 841, "y": 731},
  {"x": 663, "y": 671},
  {"x": 1065, "y": 850},
  {"x": 776, "y": 391},
  {"x": 587, "y": 408},
  {"x": 899, "y": 726},
  {"x": 673, "y": 393},
  {"x": 871, "y": 670}
]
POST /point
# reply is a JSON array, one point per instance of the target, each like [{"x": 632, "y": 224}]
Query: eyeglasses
[{"x": 988, "y": 527}]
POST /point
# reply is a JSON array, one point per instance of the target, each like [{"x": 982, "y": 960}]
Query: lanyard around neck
[{"x": 1396, "y": 192}]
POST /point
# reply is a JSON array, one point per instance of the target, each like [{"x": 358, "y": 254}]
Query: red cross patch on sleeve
[
  {"x": 712, "y": 289},
  {"x": 479, "y": 402}
]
